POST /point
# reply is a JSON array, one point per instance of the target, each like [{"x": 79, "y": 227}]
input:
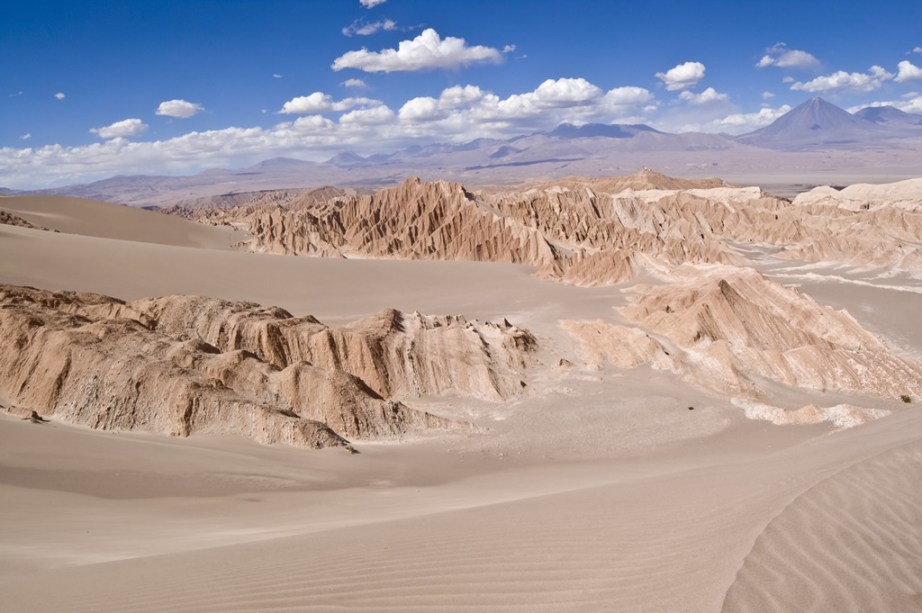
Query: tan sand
[
  {"x": 104, "y": 219},
  {"x": 599, "y": 491}
]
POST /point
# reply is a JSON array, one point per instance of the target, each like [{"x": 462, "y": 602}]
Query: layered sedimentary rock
[
  {"x": 575, "y": 235},
  {"x": 396, "y": 354},
  {"x": 596, "y": 231},
  {"x": 730, "y": 329},
  {"x": 185, "y": 365}
]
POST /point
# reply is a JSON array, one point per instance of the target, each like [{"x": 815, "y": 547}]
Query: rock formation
[
  {"x": 185, "y": 365},
  {"x": 731, "y": 329},
  {"x": 10, "y": 219},
  {"x": 595, "y": 231}
]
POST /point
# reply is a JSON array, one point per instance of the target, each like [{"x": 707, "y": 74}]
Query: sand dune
[{"x": 106, "y": 220}]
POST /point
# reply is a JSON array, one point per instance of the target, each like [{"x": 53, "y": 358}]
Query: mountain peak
[
  {"x": 813, "y": 123},
  {"x": 888, "y": 115}
]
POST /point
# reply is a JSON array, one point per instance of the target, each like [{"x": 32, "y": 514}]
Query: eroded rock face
[
  {"x": 185, "y": 365},
  {"x": 597, "y": 231},
  {"x": 727, "y": 329},
  {"x": 405, "y": 355}
]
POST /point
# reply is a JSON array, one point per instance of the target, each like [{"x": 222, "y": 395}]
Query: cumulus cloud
[
  {"x": 459, "y": 114},
  {"x": 354, "y": 83},
  {"x": 739, "y": 123},
  {"x": 908, "y": 72},
  {"x": 367, "y": 117},
  {"x": 779, "y": 55},
  {"x": 362, "y": 27},
  {"x": 319, "y": 102},
  {"x": 60, "y": 96},
  {"x": 426, "y": 51},
  {"x": 708, "y": 96},
  {"x": 846, "y": 81},
  {"x": 121, "y": 129},
  {"x": 766, "y": 95},
  {"x": 682, "y": 76},
  {"x": 917, "y": 50},
  {"x": 181, "y": 109},
  {"x": 910, "y": 103},
  {"x": 25, "y": 136},
  {"x": 469, "y": 109},
  {"x": 369, "y": 4}
]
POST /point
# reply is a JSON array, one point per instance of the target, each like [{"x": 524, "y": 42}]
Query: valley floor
[{"x": 597, "y": 490}]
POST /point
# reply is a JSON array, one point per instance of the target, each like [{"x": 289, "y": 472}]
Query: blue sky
[{"x": 92, "y": 89}]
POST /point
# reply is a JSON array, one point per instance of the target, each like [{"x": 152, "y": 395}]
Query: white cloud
[
  {"x": 426, "y": 51},
  {"x": 708, "y": 96},
  {"x": 312, "y": 124},
  {"x": 910, "y": 103},
  {"x": 25, "y": 136},
  {"x": 60, "y": 96},
  {"x": 459, "y": 114},
  {"x": 319, "y": 102},
  {"x": 363, "y": 28},
  {"x": 354, "y": 83},
  {"x": 421, "y": 109},
  {"x": 766, "y": 95},
  {"x": 908, "y": 72},
  {"x": 682, "y": 76},
  {"x": 371, "y": 3},
  {"x": 121, "y": 129},
  {"x": 779, "y": 55},
  {"x": 276, "y": 75},
  {"x": 469, "y": 109},
  {"x": 850, "y": 81},
  {"x": 740, "y": 123},
  {"x": 457, "y": 96},
  {"x": 182, "y": 109},
  {"x": 917, "y": 50},
  {"x": 367, "y": 117}
]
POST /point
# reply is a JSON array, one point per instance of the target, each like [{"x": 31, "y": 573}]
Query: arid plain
[{"x": 637, "y": 393}]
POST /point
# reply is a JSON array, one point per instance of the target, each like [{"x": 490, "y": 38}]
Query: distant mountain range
[
  {"x": 817, "y": 123},
  {"x": 809, "y": 136}
]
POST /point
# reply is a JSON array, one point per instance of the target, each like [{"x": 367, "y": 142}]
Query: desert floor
[{"x": 598, "y": 490}]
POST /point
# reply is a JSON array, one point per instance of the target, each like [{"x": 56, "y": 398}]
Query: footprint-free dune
[{"x": 630, "y": 394}]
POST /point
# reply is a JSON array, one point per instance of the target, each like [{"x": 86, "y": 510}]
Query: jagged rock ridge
[
  {"x": 149, "y": 365},
  {"x": 589, "y": 231},
  {"x": 730, "y": 329}
]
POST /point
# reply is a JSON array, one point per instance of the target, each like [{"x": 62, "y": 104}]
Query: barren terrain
[{"x": 637, "y": 394}]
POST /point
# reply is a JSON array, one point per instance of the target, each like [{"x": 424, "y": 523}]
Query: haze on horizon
[{"x": 177, "y": 87}]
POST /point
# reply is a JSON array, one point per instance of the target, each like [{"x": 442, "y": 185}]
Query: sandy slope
[
  {"x": 104, "y": 219},
  {"x": 601, "y": 492}
]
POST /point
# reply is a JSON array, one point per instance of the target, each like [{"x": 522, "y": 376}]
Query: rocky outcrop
[
  {"x": 189, "y": 365},
  {"x": 596, "y": 231},
  {"x": 731, "y": 329},
  {"x": 417, "y": 220},
  {"x": 9, "y": 219},
  {"x": 405, "y": 355}
]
